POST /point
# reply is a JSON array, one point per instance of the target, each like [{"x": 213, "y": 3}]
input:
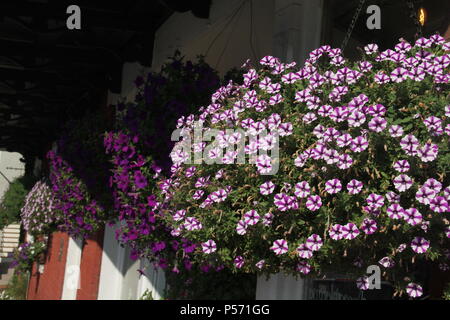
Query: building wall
[
  {"x": 46, "y": 282},
  {"x": 236, "y": 30},
  {"x": 11, "y": 168},
  {"x": 90, "y": 265}
]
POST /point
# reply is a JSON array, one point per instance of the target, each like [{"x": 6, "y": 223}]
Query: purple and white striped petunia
[
  {"x": 239, "y": 262},
  {"x": 395, "y": 211},
  {"x": 304, "y": 252},
  {"x": 375, "y": 200},
  {"x": 392, "y": 197},
  {"x": 362, "y": 283},
  {"x": 192, "y": 224},
  {"x": 209, "y": 246},
  {"x": 302, "y": 189},
  {"x": 359, "y": 144},
  {"x": 251, "y": 217},
  {"x": 439, "y": 205},
  {"x": 314, "y": 203},
  {"x": 387, "y": 262},
  {"x": 260, "y": 264},
  {"x": 333, "y": 186},
  {"x": 335, "y": 232},
  {"x": 396, "y": 131},
  {"x": 402, "y": 182},
  {"x": 241, "y": 227},
  {"x": 264, "y": 164},
  {"x": 401, "y": 166},
  {"x": 350, "y": 231},
  {"x": 179, "y": 215},
  {"x": 424, "y": 195},
  {"x": 433, "y": 184},
  {"x": 420, "y": 245},
  {"x": 314, "y": 242},
  {"x": 267, "y": 219},
  {"x": 267, "y": 188},
  {"x": 369, "y": 226},
  {"x": 377, "y": 124},
  {"x": 280, "y": 246},
  {"x": 412, "y": 216},
  {"x": 409, "y": 144},
  {"x": 198, "y": 194},
  {"x": 303, "y": 267},
  {"x": 354, "y": 186},
  {"x": 414, "y": 290}
]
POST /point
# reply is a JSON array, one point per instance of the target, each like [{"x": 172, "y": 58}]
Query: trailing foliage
[
  {"x": 13, "y": 200},
  {"x": 16, "y": 289},
  {"x": 26, "y": 254}
]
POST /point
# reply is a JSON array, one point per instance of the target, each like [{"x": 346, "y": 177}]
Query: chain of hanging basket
[
  {"x": 413, "y": 15},
  {"x": 352, "y": 25}
]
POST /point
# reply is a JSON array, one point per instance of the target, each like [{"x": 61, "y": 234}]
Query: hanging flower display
[
  {"x": 38, "y": 213},
  {"x": 309, "y": 169}
]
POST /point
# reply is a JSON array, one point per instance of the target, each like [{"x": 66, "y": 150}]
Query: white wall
[
  {"x": 281, "y": 287},
  {"x": 11, "y": 167},
  {"x": 113, "y": 257},
  {"x": 224, "y": 38},
  {"x": 72, "y": 270},
  {"x": 119, "y": 279}
]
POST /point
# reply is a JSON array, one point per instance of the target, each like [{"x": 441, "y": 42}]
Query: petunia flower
[
  {"x": 304, "y": 252},
  {"x": 314, "y": 203},
  {"x": 239, "y": 262},
  {"x": 302, "y": 189},
  {"x": 354, "y": 186},
  {"x": 424, "y": 195},
  {"x": 333, "y": 186},
  {"x": 264, "y": 164},
  {"x": 420, "y": 245},
  {"x": 267, "y": 188},
  {"x": 350, "y": 231},
  {"x": 377, "y": 124},
  {"x": 402, "y": 182},
  {"x": 362, "y": 283},
  {"x": 369, "y": 226},
  {"x": 267, "y": 219},
  {"x": 335, "y": 232},
  {"x": 241, "y": 227},
  {"x": 260, "y": 264},
  {"x": 251, "y": 217},
  {"x": 198, "y": 194},
  {"x": 428, "y": 152},
  {"x": 359, "y": 144},
  {"x": 280, "y": 246},
  {"x": 375, "y": 200},
  {"x": 414, "y": 290},
  {"x": 314, "y": 242},
  {"x": 409, "y": 144},
  {"x": 412, "y": 216},
  {"x": 179, "y": 215},
  {"x": 209, "y": 246},
  {"x": 396, "y": 131},
  {"x": 401, "y": 166},
  {"x": 303, "y": 267},
  {"x": 387, "y": 262},
  {"x": 433, "y": 184},
  {"x": 395, "y": 211},
  {"x": 439, "y": 205}
]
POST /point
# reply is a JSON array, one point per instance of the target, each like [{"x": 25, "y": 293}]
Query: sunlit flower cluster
[{"x": 363, "y": 166}]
